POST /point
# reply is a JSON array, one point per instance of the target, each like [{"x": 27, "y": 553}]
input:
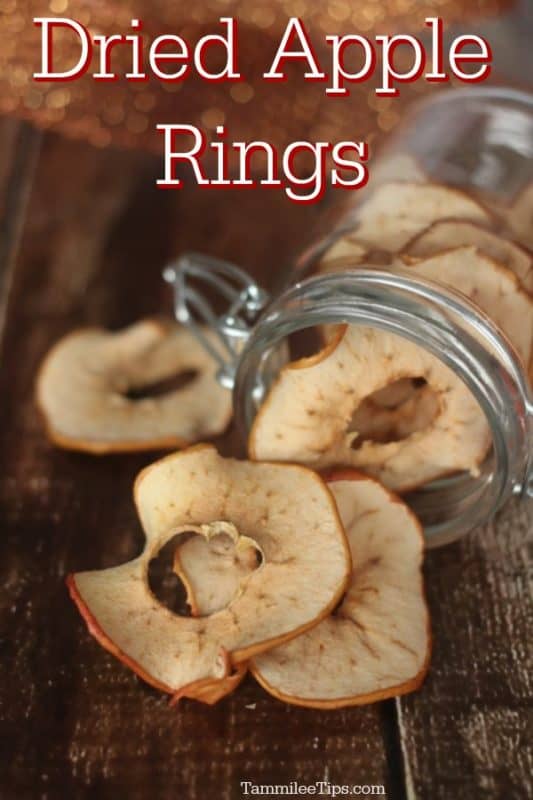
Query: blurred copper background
[{"x": 125, "y": 114}]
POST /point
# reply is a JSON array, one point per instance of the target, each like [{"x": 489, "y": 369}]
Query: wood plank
[
  {"x": 19, "y": 147},
  {"x": 468, "y": 732},
  {"x": 75, "y": 722}
]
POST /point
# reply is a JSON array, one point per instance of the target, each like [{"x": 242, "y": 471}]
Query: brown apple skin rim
[
  {"x": 102, "y": 638},
  {"x": 233, "y": 660},
  {"x": 345, "y": 702},
  {"x": 383, "y": 694},
  {"x": 207, "y": 690}
]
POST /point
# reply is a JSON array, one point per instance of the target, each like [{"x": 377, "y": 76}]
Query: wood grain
[
  {"x": 19, "y": 148},
  {"x": 75, "y": 723},
  {"x": 468, "y": 733}
]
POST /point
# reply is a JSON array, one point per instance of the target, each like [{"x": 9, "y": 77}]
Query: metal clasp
[{"x": 245, "y": 300}]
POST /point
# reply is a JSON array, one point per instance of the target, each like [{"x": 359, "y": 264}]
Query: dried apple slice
[
  {"x": 495, "y": 289},
  {"x": 450, "y": 234},
  {"x": 213, "y": 571},
  {"x": 308, "y": 414},
  {"x": 398, "y": 167},
  {"x": 210, "y": 691},
  {"x": 520, "y": 217},
  {"x": 395, "y": 212},
  {"x": 401, "y": 409},
  {"x": 391, "y": 217},
  {"x": 90, "y": 390},
  {"x": 377, "y": 643},
  {"x": 345, "y": 253},
  {"x": 361, "y": 653},
  {"x": 290, "y": 514}
]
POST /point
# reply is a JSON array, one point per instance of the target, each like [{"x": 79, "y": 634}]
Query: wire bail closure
[{"x": 244, "y": 298}]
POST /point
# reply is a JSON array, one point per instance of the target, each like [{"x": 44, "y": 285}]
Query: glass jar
[{"x": 480, "y": 140}]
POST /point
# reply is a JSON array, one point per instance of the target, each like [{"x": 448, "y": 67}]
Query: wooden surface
[{"x": 84, "y": 234}]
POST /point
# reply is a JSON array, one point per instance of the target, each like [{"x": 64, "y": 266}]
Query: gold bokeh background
[{"x": 125, "y": 114}]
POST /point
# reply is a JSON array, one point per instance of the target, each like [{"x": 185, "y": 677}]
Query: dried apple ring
[
  {"x": 450, "y": 234},
  {"x": 395, "y": 212},
  {"x": 347, "y": 252},
  {"x": 498, "y": 292},
  {"x": 398, "y": 167},
  {"x": 377, "y": 643},
  {"x": 308, "y": 414},
  {"x": 96, "y": 390},
  {"x": 494, "y": 288},
  {"x": 392, "y": 215},
  {"x": 290, "y": 515},
  {"x": 519, "y": 217}
]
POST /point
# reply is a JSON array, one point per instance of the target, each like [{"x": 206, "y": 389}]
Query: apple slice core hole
[
  {"x": 164, "y": 583},
  {"x": 395, "y": 412}
]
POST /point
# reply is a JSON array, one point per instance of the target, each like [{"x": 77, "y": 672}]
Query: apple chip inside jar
[
  {"x": 396, "y": 212},
  {"x": 345, "y": 253},
  {"x": 397, "y": 167},
  {"x": 290, "y": 515},
  {"x": 391, "y": 217},
  {"x": 495, "y": 289},
  {"x": 147, "y": 387},
  {"x": 450, "y": 234},
  {"x": 402, "y": 408},
  {"x": 308, "y": 415},
  {"x": 519, "y": 217}
]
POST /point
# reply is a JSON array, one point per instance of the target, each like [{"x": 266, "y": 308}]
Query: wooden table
[{"x": 84, "y": 234}]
